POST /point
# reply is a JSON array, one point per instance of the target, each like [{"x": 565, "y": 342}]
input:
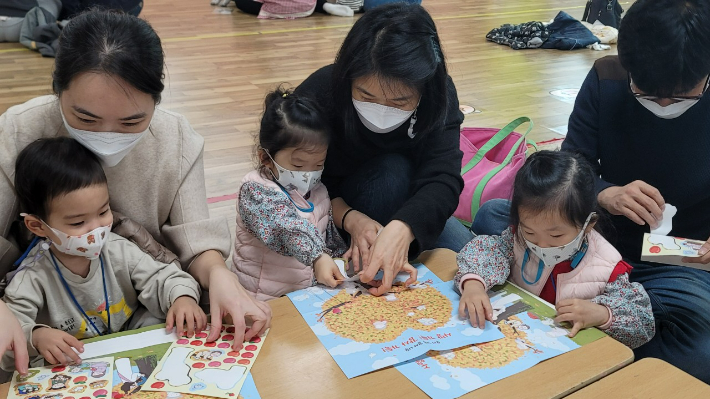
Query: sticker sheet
[
  {"x": 89, "y": 380},
  {"x": 529, "y": 339},
  {"x": 197, "y": 367},
  {"x": 364, "y": 333}
]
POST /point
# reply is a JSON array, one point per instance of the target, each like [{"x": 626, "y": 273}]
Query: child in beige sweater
[{"x": 80, "y": 280}]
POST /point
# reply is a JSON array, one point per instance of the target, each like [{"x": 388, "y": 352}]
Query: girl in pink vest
[
  {"x": 553, "y": 251},
  {"x": 285, "y": 237}
]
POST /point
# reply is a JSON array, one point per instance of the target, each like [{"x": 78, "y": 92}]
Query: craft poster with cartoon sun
[
  {"x": 88, "y": 380},
  {"x": 364, "y": 333},
  {"x": 195, "y": 366},
  {"x": 529, "y": 339}
]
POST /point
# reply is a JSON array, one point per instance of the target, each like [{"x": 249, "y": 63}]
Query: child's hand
[
  {"x": 186, "y": 311},
  {"x": 475, "y": 299},
  {"x": 581, "y": 314},
  {"x": 56, "y": 346},
  {"x": 327, "y": 271}
]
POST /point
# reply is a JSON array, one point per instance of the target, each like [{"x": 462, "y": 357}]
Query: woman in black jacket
[{"x": 393, "y": 165}]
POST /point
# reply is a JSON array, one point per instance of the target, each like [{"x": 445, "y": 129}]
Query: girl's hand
[
  {"x": 363, "y": 233},
  {"x": 185, "y": 310},
  {"x": 326, "y": 271},
  {"x": 581, "y": 314},
  {"x": 228, "y": 297},
  {"x": 13, "y": 339},
  {"x": 56, "y": 346},
  {"x": 476, "y": 301},
  {"x": 389, "y": 253}
]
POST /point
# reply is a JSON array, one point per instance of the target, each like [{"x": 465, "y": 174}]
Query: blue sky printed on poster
[
  {"x": 364, "y": 333},
  {"x": 445, "y": 376}
]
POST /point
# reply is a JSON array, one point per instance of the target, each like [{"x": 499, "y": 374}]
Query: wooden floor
[{"x": 219, "y": 67}]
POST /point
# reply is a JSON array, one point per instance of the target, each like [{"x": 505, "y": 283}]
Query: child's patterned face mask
[{"x": 87, "y": 245}]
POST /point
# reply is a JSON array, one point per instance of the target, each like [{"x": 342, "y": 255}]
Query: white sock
[{"x": 339, "y": 10}]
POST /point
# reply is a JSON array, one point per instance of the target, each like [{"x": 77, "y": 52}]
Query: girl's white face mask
[
  {"x": 554, "y": 255},
  {"x": 381, "y": 118},
  {"x": 670, "y": 111},
  {"x": 109, "y": 147},
  {"x": 88, "y": 245},
  {"x": 296, "y": 180}
]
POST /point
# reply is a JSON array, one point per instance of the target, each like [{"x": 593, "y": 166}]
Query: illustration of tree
[
  {"x": 371, "y": 319},
  {"x": 490, "y": 355}
]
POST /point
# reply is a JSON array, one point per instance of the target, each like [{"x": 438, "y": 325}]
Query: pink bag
[{"x": 491, "y": 158}]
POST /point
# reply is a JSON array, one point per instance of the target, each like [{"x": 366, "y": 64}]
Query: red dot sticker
[
  {"x": 215, "y": 364},
  {"x": 183, "y": 341},
  {"x": 228, "y": 337},
  {"x": 157, "y": 385},
  {"x": 251, "y": 348},
  {"x": 654, "y": 249},
  {"x": 223, "y": 345},
  {"x": 196, "y": 343},
  {"x": 255, "y": 340},
  {"x": 58, "y": 369},
  {"x": 337, "y": 311},
  {"x": 233, "y": 353},
  {"x": 247, "y": 355},
  {"x": 243, "y": 361},
  {"x": 198, "y": 366},
  {"x": 230, "y": 330},
  {"x": 201, "y": 335},
  {"x": 210, "y": 344},
  {"x": 230, "y": 360}
]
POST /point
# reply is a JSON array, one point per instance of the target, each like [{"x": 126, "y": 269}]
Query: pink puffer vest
[
  {"x": 263, "y": 272},
  {"x": 586, "y": 281}
]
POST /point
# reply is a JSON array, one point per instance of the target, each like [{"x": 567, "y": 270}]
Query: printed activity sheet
[
  {"x": 194, "y": 366},
  {"x": 89, "y": 380},
  {"x": 364, "y": 333}
]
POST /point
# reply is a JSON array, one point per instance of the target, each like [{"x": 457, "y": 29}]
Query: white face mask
[
  {"x": 669, "y": 111},
  {"x": 553, "y": 256},
  {"x": 109, "y": 147},
  {"x": 381, "y": 118},
  {"x": 296, "y": 180},
  {"x": 88, "y": 245}
]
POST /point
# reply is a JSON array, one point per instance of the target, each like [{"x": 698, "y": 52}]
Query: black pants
[{"x": 253, "y": 7}]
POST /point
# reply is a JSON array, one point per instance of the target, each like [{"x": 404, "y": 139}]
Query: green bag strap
[
  {"x": 478, "y": 192},
  {"x": 494, "y": 141}
]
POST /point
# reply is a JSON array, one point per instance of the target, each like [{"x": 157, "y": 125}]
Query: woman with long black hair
[{"x": 393, "y": 165}]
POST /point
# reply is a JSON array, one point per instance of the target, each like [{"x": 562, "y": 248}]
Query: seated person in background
[{"x": 80, "y": 280}]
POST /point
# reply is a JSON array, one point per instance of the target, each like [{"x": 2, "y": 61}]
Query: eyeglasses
[{"x": 674, "y": 98}]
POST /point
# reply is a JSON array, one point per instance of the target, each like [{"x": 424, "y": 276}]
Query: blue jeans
[
  {"x": 380, "y": 188},
  {"x": 370, "y": 4},
  {"x": 680, "y": 297},
  {"x": 492, "y": 218}
]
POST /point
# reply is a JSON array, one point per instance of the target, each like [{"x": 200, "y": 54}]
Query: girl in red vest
[{"x": 553, "y": 250}]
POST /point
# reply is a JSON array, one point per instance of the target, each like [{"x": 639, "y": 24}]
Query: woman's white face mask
[
  {"x": 670, "y": 111},
  {"x": 381, "y": 118}
]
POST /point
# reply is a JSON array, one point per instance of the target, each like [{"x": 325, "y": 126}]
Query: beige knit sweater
[{"x": 159, "y": 184}]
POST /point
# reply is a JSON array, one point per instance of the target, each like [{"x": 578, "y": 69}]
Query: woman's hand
[
  {"x": 13, "y": 338},
  {"x": 228, "y": 297},
  {"x": 363, "y": 233},
  {"x": 389, "y": 253}
]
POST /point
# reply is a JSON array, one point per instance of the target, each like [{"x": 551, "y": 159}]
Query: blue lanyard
[
  {"x": 541, "y": 265},
  {"x": 307, "y": 210},
  {"x": 27, "y": 251},
  {"x": 107, "y": 306}
]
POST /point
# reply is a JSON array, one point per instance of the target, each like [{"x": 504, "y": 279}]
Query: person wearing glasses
[{"x": 643, "y": 119}]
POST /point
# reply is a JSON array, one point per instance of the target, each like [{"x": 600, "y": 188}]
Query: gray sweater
[{"x": 37, "y": 296}]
